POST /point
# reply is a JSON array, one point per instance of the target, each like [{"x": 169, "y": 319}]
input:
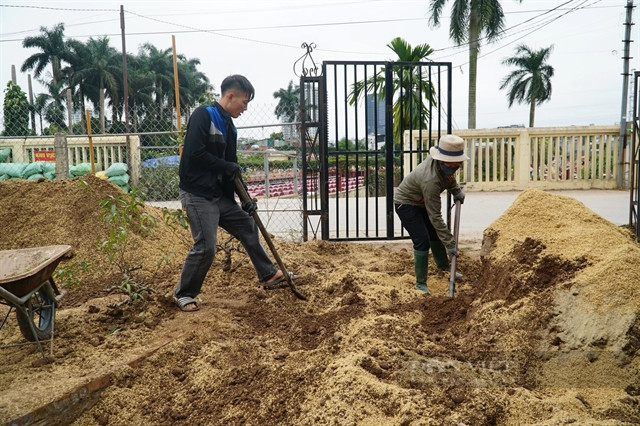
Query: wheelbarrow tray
[{"x": 24, "y": 270}]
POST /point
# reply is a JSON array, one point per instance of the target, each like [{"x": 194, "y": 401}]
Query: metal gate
[
  {"x": 634, "y": 178},
  {"x": 364, "y": 126}
]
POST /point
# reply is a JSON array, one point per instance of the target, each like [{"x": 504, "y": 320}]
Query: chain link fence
[{"x": 268, "y": 150}]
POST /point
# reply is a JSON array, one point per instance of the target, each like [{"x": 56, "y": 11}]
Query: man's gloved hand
[
  {"x": 232, "y": 169},
  {"x": 459, "y": 197},
  {"x": 250, "y": 206},
  {"x": 452, "y": 252}
]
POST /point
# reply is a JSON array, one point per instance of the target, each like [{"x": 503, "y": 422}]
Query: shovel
[
  {"x": 242, "y": 193},
  {"x": 456, "y": 228}
]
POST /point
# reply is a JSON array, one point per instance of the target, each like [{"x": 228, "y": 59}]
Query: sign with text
[{"x": 44, "y": 155}]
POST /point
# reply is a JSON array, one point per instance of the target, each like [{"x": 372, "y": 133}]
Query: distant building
[
  {"x": 376, "y": 128},
  {"x": 375, "y": 115},
  {"x": 290, "y": 132}
]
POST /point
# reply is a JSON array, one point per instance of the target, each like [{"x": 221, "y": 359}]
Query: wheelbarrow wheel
[{"x": 41, "y": 310}]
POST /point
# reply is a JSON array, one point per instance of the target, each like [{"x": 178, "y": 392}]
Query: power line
[
  {"x": 541, "y": 26},
  {"x": 68, "y": 9},
  {"x": 339, "y": 23},
  {"x": 536, "y": 27}
]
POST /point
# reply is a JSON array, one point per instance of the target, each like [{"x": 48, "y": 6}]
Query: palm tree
[
  {"x": 469, "y": 20},
  {"x": 288, "y": 107},
  {"x": 100, "y": 74},
  {"x": 39, "y": 106},
  {"x": 193, "y": 85},
  {"x": 51, "y": 105},
  {"x": 80, "y": 56},
  {"x": 531, "y": 82},
  {"x": 160, "y": 66},
  {"x": 53, "y": 48},
  {"x": 140, "y": 89},
  {"x": 411, "y": 107}
]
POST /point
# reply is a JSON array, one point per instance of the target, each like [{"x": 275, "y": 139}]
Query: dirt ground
[{"x": 544, "y": 328}]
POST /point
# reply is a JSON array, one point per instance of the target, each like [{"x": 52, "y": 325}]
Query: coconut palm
[
  {"x": 414, "y": 92},
  {"x": 531, "y": 82},
  {"x": 288, "y": 108},
  {"x": 471, "y": 19},
  {"x": 53, "y": 48}
]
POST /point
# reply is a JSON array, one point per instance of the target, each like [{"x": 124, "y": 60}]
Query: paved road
[{"x": 283, "y": 218}]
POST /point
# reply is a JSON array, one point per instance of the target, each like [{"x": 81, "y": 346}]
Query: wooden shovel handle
[{"x": 242, "y": 193}]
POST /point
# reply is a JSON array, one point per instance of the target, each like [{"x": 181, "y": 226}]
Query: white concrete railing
[
  {"x": 107, "y": 149},
  {"x": 580, "y": 157}
]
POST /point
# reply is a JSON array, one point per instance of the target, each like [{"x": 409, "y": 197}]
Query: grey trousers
[{"x": 204, "y": 218}]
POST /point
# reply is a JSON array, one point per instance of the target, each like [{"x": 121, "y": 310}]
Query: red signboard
[{"x": 42, "y": 155}]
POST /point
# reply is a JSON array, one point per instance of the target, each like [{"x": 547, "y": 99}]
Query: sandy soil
[{"x": 544, "y": 328}]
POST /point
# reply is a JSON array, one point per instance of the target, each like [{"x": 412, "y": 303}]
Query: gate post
[
  {"x": 522, "y": 165},
  {"x": 390, "y": 147},
  {"x": 62, "y": 156}
]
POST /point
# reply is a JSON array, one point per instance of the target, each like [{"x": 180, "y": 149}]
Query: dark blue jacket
[{"x": 210, "y": 143}]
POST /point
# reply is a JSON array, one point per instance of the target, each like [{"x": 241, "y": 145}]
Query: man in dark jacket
[
  {"x": 417, "y": 204},
  {"x": 208, "y": 167}
]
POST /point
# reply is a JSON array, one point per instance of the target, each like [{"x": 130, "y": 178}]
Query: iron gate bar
[
  {"x": 634, "y": 176},
  {"x": 357, "y": 149},
  {"x": 389, "y": 147}
]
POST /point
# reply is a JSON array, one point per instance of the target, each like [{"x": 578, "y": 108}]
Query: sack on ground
[
  {"x": 14, "y": 170},
  {"x": 4, "y": 153},
  {"x": 48, "y": 167},
  {"x": 120, "y": 180},
  {"x": 80, "y": 169},
  {"x": 32, "y": 169},
  {"x": 116, "y": 169}
]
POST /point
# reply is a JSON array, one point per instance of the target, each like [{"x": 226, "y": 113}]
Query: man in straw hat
[{"x": 417, "y": 204}]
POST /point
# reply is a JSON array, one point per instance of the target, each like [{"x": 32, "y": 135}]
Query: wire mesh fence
[{"x": 148, "y": 156}]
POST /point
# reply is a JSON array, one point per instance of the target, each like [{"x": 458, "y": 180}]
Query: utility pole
[
  {"x": 33, "y": 113},
  {"x": 625, "y": 86},
  {"x": 125, "y": 83}
]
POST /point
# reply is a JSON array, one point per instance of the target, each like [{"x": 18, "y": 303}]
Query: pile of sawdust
[
  {"x": 42, "y": 213},
  {"x": 605, "y": 280},
  {"x": 365, "y": 348},
  {"x": 589, "y": 329}
]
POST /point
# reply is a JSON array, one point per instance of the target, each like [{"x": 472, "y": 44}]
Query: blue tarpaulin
[{"x": 168, "y": 161}]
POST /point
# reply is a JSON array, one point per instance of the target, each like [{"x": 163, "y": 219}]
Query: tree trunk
[
  {"x": 532, "y": 112},
  {"x": 102, "y": 110},
  {"x": 70, "y": 111},
  {"x": 32, "y": 110},
  {"x": 474, "y": 47}
]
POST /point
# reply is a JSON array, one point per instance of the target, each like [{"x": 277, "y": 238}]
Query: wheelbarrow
[{"x": 26, "y": 285}]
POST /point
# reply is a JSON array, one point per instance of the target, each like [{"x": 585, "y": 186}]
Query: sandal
[
  {"x": 270, "y": 285},
  {"x": 185, "y": 301}
]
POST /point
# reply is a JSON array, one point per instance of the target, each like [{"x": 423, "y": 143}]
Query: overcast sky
[{"x": 261, "y": 39}]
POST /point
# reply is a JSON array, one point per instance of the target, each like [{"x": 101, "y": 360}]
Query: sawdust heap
[
  {"x": 42, "y": 213},
  {"x": 536, "y": 333},
  {"x": 558, "y": 229}
]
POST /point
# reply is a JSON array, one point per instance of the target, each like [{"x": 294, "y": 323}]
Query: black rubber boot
[{"x": 440, "y": 256}]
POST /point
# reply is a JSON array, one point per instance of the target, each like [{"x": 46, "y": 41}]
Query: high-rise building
[
  {"x": 375, "y": 121},
  {"x": 375, "y": 115}
]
